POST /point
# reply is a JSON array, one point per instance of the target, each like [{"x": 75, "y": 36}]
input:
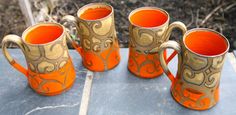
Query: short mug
[
  {"x": 201, "y": 55},
  {"x": 99, "y": 46},
  {"x": 50, "y": 70},
  {"x": 148, "y": 30}
]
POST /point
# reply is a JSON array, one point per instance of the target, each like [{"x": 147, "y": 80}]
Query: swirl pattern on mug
[
  {"x": 55, "y": 82},
  {"x": 47, "y": 58},
  {"x": 144, "y": 65},
  {"x": 99, "y": 43},
  {"x": 143, "y": 40},
  {"x": 197, "y": 85}
]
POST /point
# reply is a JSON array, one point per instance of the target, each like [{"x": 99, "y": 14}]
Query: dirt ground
[{"x": 216, "y": 14}]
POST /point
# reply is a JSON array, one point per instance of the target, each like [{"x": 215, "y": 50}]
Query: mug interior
[
  {"x": 148, "y": 17},
  {"x": 94, "y": 11},
  {"x": 205, "y": 42},
  {"x": 43, "y": 33}
]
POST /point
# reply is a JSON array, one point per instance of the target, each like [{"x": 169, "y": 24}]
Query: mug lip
[
  {"x": 91, "y": 4},
  {"x": 146, "y": 7},
  {"x": 30, "y": 28},
  {"x": 209, "y": 30}
]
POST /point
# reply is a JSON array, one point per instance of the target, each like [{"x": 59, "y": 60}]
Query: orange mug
[
  {"x": 99, "y": 46},
  {"x": 201, "y": 55},
  {"x": 50, "y": 70},
  {"x": 148, "y": 30}
]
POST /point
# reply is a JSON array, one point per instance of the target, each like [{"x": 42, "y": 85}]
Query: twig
[
  {"x": 219, "y": 26},
  {"x": 213, "y": 1},
  {"x": 210, "y": 14},
  {"x": 196, "y": 22},
  {"x": 222, "y": 14},
  {"x": 77, "y": 7},
  {"x": 50, "y": 18},
  {"x": 229, "y": 7},
  {"x": 189, "y": 24},
  {"x": 219, "y": 1}
]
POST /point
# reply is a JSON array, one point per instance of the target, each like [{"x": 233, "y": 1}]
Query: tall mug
[
  {"x": 201, "y": 55},
  {"x": 99, "y": 46},
  {"x": 50, "y": 69},
  {"x": 148, "y": 30}
]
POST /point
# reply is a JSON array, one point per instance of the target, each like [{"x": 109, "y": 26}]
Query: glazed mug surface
[
  {"x": 50, "y": 70},
  {"x": 149, "y": 28},
  {"x": 201, "y": 55},
  {"x": 99, "y": 47}
]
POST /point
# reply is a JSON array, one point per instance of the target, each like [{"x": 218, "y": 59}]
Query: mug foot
[
  {"x": 189, "y": 106},
  {"x": 57, "y": 92},
  {"x": 95, "y": 70}
]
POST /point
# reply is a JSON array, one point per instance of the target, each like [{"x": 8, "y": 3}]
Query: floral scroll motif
[
  {"x": 99, "y": 43},
  {"x": 47, "y": 58},
  {"x": 198, "y": 83},
  {"x": 143, "y": 40}
]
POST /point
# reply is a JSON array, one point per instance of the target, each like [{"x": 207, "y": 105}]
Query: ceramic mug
[
  {"x": 148, "y": 30},
  {"x": 99, "y": 46},
  {"x": 50, "y": 70},
  {"x": 201, "y": 55}
]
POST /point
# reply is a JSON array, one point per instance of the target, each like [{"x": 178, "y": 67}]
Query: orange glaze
[
  {"x": 53, "y": 83},
  {"x": 137, "y": 66},
  {"x": 205, "y": 43},
  {"x": 103, "y": 61},
  {"x": 95, "y": 13},
  {"x": 43, "y": 34},
  {"x": 148, "y": 18}
]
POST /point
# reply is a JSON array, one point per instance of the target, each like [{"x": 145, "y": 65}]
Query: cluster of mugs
[{"x": 201, "y": 52}]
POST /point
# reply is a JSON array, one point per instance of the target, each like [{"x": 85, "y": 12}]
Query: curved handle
[
  {"x": 73, "y": 20},
  {"x": 173, "y": 45},
  {"x": 16, "y": 40},
  {"x": 172, "y": 26}
]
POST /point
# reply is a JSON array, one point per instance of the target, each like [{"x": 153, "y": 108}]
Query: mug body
[
  {"x": 50, "y": 68},
  {"x": 100, "y": 48},
  {"x": 197, "y": 83},
  {"x": 148, "y": 26}
]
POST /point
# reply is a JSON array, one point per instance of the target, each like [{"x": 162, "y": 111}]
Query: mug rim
[
  {"x": 208, "y": 30},
  {"x": 30, "y": 28},
  {"x": 151, "y": 8},
  {"x": 91, "y": 4}
]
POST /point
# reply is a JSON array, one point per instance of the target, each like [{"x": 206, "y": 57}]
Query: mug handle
[
  {"x": 73, "y": 20},
  {"x": 16, "y": 40},
  {"x": 172, "y": 26},
  {"x": 175, "y": 46}
]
